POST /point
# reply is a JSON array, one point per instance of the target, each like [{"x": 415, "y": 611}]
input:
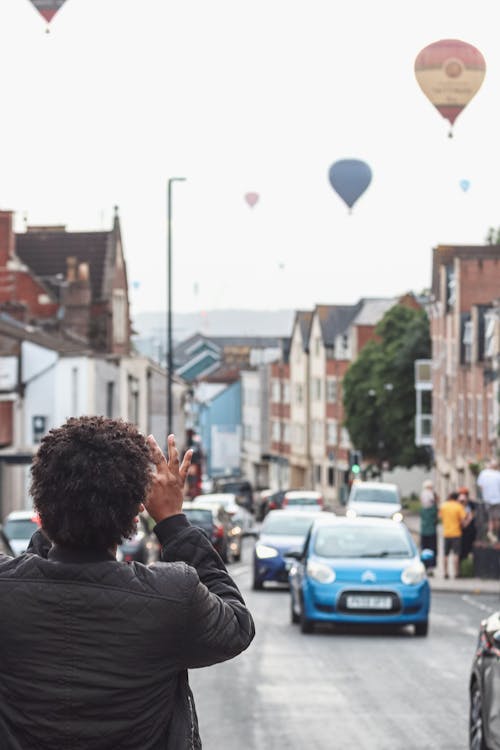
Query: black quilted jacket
[{"x": 94, "y": 653}]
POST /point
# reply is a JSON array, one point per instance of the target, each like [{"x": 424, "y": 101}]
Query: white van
[{"x": 374, "y": 499}]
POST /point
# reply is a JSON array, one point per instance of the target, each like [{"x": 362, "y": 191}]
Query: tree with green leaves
[{"x": 379, "y": 390}]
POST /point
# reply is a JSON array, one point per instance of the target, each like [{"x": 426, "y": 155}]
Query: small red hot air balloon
[
  {"x": 450, "y": 72},
  {"x": 48, "y": 8},
  {"x": 251, "y": 199}
]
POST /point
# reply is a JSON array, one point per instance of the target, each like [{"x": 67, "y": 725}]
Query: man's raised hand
[{"x": 166, "y": 492}]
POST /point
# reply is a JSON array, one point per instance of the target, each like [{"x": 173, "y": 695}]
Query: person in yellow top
[{"x": 453, "y": 515}]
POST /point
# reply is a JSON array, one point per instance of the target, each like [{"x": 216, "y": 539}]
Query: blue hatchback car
[
  {"x": 282, "y": 534},
  {"x": 359, "y": 570}
]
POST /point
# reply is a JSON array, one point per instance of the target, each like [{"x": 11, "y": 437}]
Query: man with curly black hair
[{"x": 94, "y": 653}]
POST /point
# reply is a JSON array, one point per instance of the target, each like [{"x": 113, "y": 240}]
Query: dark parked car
[
  {"x": 484, "y": 718},
  {"x": 205, "y": 519},
  {"x": 239, "y": 487},
  {"x": 144, "y": 547},
  {"x": 224, "y": 508}
]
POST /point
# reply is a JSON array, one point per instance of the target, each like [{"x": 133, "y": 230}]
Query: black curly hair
[{"x": 88, "y": 479}]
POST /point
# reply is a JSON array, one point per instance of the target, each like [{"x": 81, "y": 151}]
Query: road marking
[{"x": 473, "y": 603}]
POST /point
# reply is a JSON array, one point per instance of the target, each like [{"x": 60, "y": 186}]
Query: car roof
[
  {"x": 292, "y": 494},
  {"x": 220, "y": 497},
  {"x": 331, "y": 519},
  {"x": 20, "y": 515},
  {"x": 377, "y": 485}
]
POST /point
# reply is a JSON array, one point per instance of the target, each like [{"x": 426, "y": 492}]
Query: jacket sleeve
[{"x": 218, "y": 625}]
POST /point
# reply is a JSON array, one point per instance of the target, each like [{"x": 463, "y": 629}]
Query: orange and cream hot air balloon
[
  {"x": 450, "y": 72},
  {"x": 47, "y": 8}
]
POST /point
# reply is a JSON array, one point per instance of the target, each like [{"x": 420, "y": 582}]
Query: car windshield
[
  {"x": 283, "y": 525},
  {"x": 374, "y": 495},
  {"x": 198, "y": 515},
  {"x": 20, "y": 528},
  {"x": 362, "y": 541},
  {"x": 302, "y": 501},
  {"x": 237, "y": 488}
]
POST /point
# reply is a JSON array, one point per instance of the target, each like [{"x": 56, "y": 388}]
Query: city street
[{"x": 342, "y": 689}]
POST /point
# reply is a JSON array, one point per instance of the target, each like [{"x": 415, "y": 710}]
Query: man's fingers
[
  {"x": 157, "y": 454},
  {"x": 173, "y": 453},
  {"x": 186, "y": 463}
]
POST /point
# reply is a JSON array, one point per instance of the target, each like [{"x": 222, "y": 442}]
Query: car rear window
[
  {"x": 362, "y": 541},
  {"x": 197, "y": 515},
  {"x": 20, "y": 529},
  {"x": 374, "y": 495},
  {"x": 302, "y": 501},
  {"x": 286, "y": 525}
]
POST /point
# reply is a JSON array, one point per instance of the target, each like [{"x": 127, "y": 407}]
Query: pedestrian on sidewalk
[
  {"x": 428, "y": 522},
  {"x": 488, "y": 482},
  {"x": 469, "y": 526},
  {"x": 94, "y": 652},
  {"x": 452, "y": 514}
]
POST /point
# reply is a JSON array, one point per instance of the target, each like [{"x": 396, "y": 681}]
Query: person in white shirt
[{"x": 488, "y": 483}]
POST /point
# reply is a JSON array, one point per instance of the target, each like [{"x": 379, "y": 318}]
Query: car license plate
[{"x": 369, "y": 602}]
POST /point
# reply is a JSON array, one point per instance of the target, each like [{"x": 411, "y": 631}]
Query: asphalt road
[{"x": 332, "y": 690}]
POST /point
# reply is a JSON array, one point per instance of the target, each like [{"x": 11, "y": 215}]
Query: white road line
[{"x": 473, "y": 603}]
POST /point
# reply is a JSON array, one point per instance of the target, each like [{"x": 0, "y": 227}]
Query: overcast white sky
[{"x": 249, "y": 95}]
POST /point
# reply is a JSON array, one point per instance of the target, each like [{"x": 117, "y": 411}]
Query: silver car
[{"x": 380, "y": 499}]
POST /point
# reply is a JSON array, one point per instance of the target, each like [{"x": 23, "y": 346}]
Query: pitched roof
[
  {"x": 334, "y": 319},
  {"x": 186, "y": 349},
  {"x": 373, "y": 310},
  {"x": 45, "y": 251},
  {"x": 13, "y": 329},
  {"x": 303, "y": 320}
]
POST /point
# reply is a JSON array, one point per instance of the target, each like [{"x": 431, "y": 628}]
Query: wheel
[
  {"x": 257, "y": 585},
  {"x": 422, "y": 628},
  {"x": 476, "y": 735},
  {"x": 306, "y": 625},
  {"x": 294, "y": 617}
]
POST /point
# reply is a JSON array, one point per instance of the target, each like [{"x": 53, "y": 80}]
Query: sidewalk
[{"x": 438, "y": 582}]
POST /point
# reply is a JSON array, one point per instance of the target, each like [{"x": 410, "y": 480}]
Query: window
[
  {"x": 317, "y": 431},
  {"x": 119, "y": 316},
  {"x": 461, "y": 415},
  {"x": 298, "y": 435},
  {"x": 344, "y": 438},
  {"x": 491, "y": 419},
  {"x": 276, "y": 430},
  {"x": 467, "y": 342},
  {"x": 110, "y": 396},
  {"x": 316, "y": 389},
  {"x": 286, "y": 432},
  {"x": 331, "y": 476},
  {"x": 286, "y": 393},
  {"x": 276, "y": 391},
  {"x": 331, "y": 390},
  {"x": 317, "y": 474},
  {"x": 489, "y": 335},
  {"x": 470, "y": 415},
  {"x": 479, "y": 417},
  {"x": 298, "y": 393},
  {"x": 331, "y": 432}
]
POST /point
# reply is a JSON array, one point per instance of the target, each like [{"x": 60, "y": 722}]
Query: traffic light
[{"x": 355, "y": 462}]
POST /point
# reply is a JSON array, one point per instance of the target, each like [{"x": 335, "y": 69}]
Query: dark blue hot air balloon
[{"x": 350, "y": 178}]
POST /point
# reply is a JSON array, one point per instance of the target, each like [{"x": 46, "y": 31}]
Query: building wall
[
  {"x": 220, "y": 431},
  {"x": 299, "y": 411}
]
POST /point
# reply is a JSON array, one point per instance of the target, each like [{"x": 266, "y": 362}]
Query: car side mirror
[{"x": 428, "y": 557}]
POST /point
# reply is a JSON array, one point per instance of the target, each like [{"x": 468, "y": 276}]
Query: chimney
[
  {"x": 77, "y": 297},
  {"x": 6, "y": 238}
]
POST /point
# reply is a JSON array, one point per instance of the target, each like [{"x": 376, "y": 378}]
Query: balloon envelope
[
  {"x": 251, "y": 199},
  {"x": 48, "y": 8},
  {"x": 465, "y": 185},
  {"x": 450, "y": 72},
  {"x": 350, "y": 178}
]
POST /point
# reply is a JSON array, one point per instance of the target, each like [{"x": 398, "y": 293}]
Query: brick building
[{"x": 464, "y": 330}]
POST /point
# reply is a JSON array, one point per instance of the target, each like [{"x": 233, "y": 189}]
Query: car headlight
[
  {"x": 351, "y": 513},
  {"x": 413, "y": 574},
  {"x": 320, "y": 572},
  {"x": 397, "y": 517},
  {"x": 263, "y": 551}
]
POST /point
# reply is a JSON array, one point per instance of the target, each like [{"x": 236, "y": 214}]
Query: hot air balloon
[
  {"x": 350, "y": 178},
  {"x": 465, "y": 185},
  {"x": 48, "y": 8},
  {"x": 251, "y": 199},
  {"x": 450, "y": 73}
]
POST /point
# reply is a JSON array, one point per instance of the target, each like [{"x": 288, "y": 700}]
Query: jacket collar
[{"x": 73, "y": 555}]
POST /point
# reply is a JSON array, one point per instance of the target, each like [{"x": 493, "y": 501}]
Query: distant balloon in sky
[
  {"x": 251, "y": 199},
  {"x": 350, "y": 178},
  {"x": 465, "y": 185},
  {"x": 48, "y": 8},
  {"x": 450, "y": 73}
]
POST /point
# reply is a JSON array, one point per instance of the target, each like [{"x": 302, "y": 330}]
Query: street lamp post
[{"x": 170, "y": 360}]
